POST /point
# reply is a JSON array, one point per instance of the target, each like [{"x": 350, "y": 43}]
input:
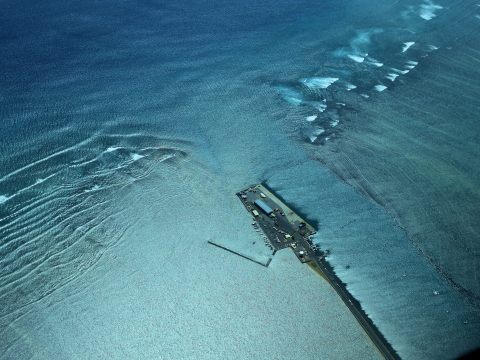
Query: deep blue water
[{"x": 100, "y": 99}]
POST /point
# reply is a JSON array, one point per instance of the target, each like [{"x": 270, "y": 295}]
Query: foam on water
[
  {"x": 311, "y": 118},
  {"x": 112, "y": 149},
  {"x": 356, "y": 58},
  {"x": 407, "y": 45},
  {"x": 363, "y": 39},
  {"x": 136, "y": 157},
  {"x": 428, "y": 10},
  {"x": 315, "y": 134},
  {"x": 45, "y": 159},
  {"x": 334, "y": 122},
  {"x": 93, "y": 189},
  {"x": 319, "y": 105},
  {"x": 380, "y": 87},
  {"x": 401, "y": 72},
  {"x": 315, "y": 83},
  {"x": 4, "y": 199},
  {"x": 374, "y": 62},
  {"x": 350, "y": 87},
  {"x": 392, "y": 76},
  {"x": 290, "y": 95}
]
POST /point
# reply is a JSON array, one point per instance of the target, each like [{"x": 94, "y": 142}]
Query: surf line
[{"x": 51, "y": 156}]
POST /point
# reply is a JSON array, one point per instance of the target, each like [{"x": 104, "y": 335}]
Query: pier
[{"x": 283, "y": 228}]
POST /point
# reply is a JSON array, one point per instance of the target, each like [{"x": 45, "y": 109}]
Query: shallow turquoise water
[{"x": 117, "y": 114}]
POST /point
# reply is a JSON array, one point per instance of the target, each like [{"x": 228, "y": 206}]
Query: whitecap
[
  {"x": 392, "y": 76},
  {"x": 350, "y": 87},
  {"x": 356, "y": 58},
  {"x": 433, "y": 47},
  {"x": 375, "y": 62},
  {"x": 314, "y": 83},
  {"x": 315, "y": 134},
  {"x": 39, "y": 181},
  {"x": 311, "y": 118},
  {"x": 94, "y": 188},
  {"x": 334, "y": 122},
  {"x": 428, "y": 9},
  {"x": 136, "y": 157},
  {"x": 407, "y": 45},
  {"x": 411, "y": 64},
  {"x": 112, "y": 149},
  {"x": 402, "y": 72},
  {"x": 3, "y": 199},
  {"x": 49, "y": 157},
  {"x": 380, "y": 87},
  {"x": 363, "y": 39},
  {"x": 365, "y": 96},
  {"x": 320, "y": 106},
  {"x": 290, "y": 95}
]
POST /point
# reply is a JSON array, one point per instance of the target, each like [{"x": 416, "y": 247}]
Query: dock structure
[{"x": 283, "y": 228}]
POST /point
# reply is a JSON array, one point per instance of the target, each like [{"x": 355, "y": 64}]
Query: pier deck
[
  {"x": 281, "y": 225},
  {"x": 283, "y": 228}
]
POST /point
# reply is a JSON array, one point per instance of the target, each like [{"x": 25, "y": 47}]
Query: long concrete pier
[{"x": 284, "y": 228}]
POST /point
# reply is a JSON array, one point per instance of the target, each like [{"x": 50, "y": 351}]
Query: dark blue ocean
[{"x": 127, "y": 127}]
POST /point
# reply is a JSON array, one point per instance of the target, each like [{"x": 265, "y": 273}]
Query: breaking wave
[{"x": 63, "y": 211}]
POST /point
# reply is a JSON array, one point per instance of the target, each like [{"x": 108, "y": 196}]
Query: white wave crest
[
  {"x": 136, "y": 157},
  {"x": 350, "y": 87},
  {"x": 315, "y": 83},
  {"x": 112, "y": 149},
  {"x": 320, "y": 106},
  {"x": 428, "y": 10},
  {"x": 315, "y": 134},
  {"x": 392, "y": 76},
  {"x": 4, "y": 199},
  {"x": 290, "y": 95},
  {"x": 356, "y": 58},
  {"x": 407, "y": 45},
  {"x": 401, "y": 72}
]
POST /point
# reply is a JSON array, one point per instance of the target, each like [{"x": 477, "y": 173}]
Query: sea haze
[{"x": 127, "y": 128}]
